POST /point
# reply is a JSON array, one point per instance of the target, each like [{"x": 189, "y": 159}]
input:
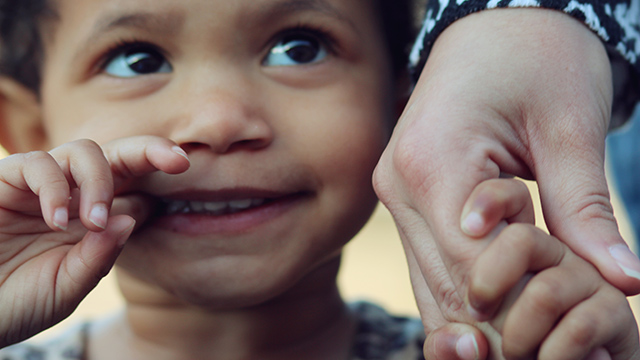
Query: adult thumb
[{"x": 577, "y": 208}]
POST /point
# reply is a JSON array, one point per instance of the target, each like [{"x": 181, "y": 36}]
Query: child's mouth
[
  {"x": 223, "y": 212},
  {"x": 174, "y": 207}
]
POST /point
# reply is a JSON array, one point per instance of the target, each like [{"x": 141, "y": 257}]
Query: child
[{"x": 236, "y": 140}]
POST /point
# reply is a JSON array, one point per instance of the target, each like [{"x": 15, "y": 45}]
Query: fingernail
[
  {"x": 628, "y": 261},
  {"x": 99, "y": 215},
  {"x": 473, "y": 223},
  {"x": 467, "y": 348},
  {"x": 124, "y": 235},
  {"x": 180, "y": 151},
  {"x": 61, "y": 218}
]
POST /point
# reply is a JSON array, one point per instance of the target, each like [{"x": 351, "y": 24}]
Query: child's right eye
[{"x": 136, "y": 61}]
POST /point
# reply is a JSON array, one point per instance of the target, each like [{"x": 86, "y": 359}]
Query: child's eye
[
  {"x": 297, "y": 49},
  {"x": 136, "y": 61}
]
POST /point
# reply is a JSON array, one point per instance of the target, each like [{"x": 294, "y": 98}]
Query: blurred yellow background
[{"x": 374, "y": 268}]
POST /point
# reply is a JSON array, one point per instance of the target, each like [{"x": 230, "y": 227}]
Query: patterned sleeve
[{"x": 616, "y": 22}]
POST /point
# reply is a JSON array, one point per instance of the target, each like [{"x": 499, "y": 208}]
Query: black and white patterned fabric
[
  {"x": 379, "y": 336},
  {"x": 616, "y": 22}
]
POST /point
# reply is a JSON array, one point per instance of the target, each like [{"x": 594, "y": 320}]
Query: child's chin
[
  {"x": 214, "y": 288},
  {"x": 227, "y": 298}
]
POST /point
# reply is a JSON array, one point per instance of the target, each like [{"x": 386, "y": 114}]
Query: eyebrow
[
  {"x": 288, "y": 7},
  {"x": 164, "y": 24}
]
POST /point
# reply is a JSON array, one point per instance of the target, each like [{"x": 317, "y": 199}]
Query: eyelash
[
  {"x": 123, "y": 45},
  {"x": 323, "y": 35}
]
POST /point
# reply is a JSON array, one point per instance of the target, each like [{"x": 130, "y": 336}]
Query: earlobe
[{"x": 21, "y": 127}]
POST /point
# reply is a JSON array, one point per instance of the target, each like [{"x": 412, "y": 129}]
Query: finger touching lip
[{"x": 139, "y": 206}]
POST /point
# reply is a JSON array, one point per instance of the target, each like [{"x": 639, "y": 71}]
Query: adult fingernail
[
  {"x": 473, "y": 223},
  {"x": 627, "y": 261},
  {"x": 99, "y": 215},
  {"x": 467, "y": 347},
  {"x": 61, "y": 218}
]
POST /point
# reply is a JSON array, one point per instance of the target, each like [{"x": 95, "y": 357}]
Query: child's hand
[
  {"x": 57, "y": 236},
  {"x": 537, "y": 293}
]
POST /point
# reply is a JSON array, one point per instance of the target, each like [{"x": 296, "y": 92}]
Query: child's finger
[
  {"x": 546, "y": 298},
  {"x": 518, "y": 250},
  {"x": 36, "y": 173},
  {"x": 139, "y": 206},
  {"x": 493, "y": 201},
  {"x": 456, "y": 341},
  {"x": 592, "y": 324},
  {"x": 84, "y": 164},
  {"x": 138, "y": 156},
  {"x": 92, "y": 258}
]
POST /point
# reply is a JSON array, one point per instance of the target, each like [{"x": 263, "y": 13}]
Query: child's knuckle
[
  {"x": 581, "y": 330},
  {"x": 34, "y": 156},
  {"x": 57, "y": 184},
  {"x": 85, "y": 144},
  {"x": 545, "y": 295}
]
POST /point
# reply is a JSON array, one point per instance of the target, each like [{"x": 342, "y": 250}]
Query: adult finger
[
  {"x": 577, "y": 208},
  {"x": 447, "y": 341}
]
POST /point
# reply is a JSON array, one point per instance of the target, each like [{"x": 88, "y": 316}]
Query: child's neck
[{"x": 310, "y": 321}]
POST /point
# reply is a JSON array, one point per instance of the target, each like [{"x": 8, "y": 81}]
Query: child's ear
[{"x": 21, "y": 127}]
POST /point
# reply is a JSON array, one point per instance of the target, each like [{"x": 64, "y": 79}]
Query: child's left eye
[
  {"x": 297, "y": 49},
  {"x": 137, "y": 61}
]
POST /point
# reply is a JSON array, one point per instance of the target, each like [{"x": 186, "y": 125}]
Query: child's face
[{"x": 284, "y": 103}]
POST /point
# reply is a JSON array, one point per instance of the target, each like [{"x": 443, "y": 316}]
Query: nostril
[
  {"x": 241, "y": 145},
  {"x": 193, "y": 146},
  {"x": 255, "y": 144}
]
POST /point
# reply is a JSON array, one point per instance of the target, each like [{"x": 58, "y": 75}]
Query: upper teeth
[{"x": 214, "y": 207}]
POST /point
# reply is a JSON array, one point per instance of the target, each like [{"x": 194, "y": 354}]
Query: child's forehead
[
  {"x": 94, "y": 17},
  {"x": 172, "y": 9}
]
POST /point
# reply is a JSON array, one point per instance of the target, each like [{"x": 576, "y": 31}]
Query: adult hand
[{"x": 518, "y": 91}]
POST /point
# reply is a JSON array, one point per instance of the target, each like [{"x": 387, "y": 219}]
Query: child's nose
[{"x": 222, "y": 121}]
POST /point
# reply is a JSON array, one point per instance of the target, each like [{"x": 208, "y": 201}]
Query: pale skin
[
  {"x": 516, "y": 91},
  {"x": 214, "y": 142}
]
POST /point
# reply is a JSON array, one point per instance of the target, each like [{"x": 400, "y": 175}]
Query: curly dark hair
[
  {"x": 399, "y": 26},
  {"x": 22, "y": 53}
]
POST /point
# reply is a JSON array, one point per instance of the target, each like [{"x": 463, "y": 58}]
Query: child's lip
[
  {"x": 226, "y": 194},
  {"x": 224, "y": 211}
]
